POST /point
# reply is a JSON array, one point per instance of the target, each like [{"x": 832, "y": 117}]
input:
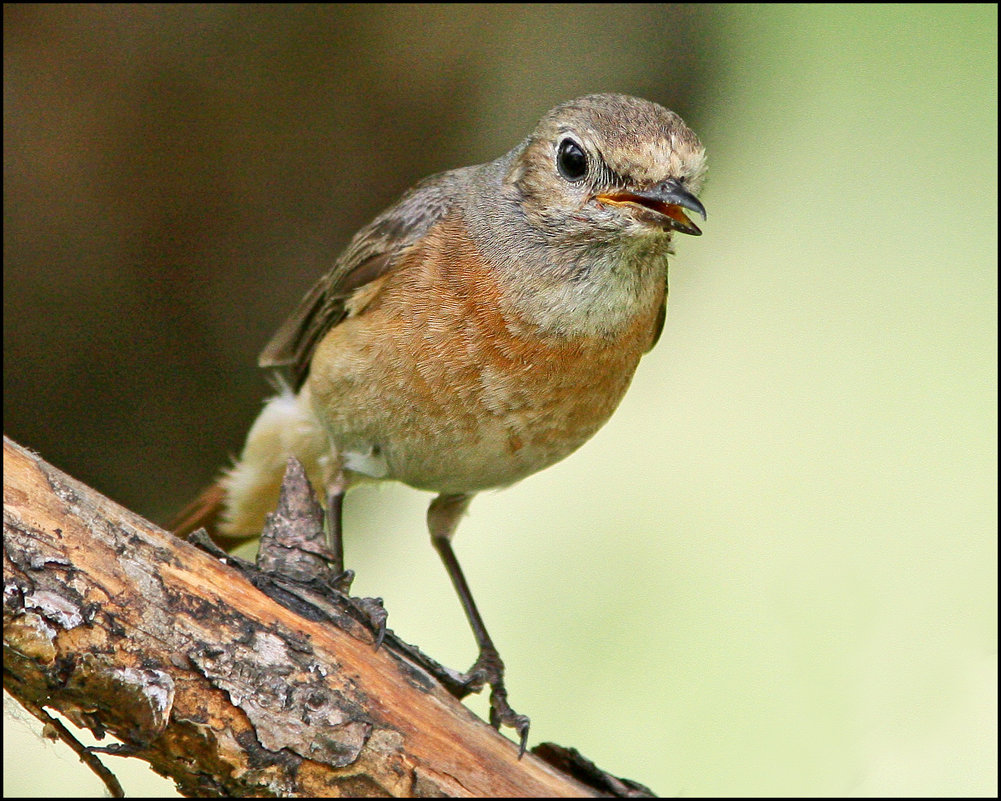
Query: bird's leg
[
  {"x": 443, "y": 518},
  {"x": 336, "y": 487},
  {"x": 371, "y": 608}
]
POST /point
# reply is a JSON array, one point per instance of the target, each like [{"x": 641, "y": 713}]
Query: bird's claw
[
  {"x": 489, "y": 669},
  {"x": 341, "y": 581},
  {"x": 501, "y": 713},
  {"x": 377, "y": 616}
]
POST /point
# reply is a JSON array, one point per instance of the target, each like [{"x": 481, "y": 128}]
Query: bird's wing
[
  {"x": 658, "y": 323},
  {"x": 373, "y": 252}
]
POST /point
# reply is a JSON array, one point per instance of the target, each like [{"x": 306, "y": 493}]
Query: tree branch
[{"x": 124, "y": 628}]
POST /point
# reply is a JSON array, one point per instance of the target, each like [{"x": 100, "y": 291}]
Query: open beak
[{"x": 667, "y": 199}]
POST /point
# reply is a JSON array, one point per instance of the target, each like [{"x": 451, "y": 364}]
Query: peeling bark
[{"x": 126, "y": 629}]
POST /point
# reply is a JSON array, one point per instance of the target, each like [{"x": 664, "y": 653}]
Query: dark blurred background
[
  {"x": 774, "y": 571},
  {"x": 176, "y": 177}
]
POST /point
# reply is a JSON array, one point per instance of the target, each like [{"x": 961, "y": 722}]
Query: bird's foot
[
  {"x": 376, "y": 616},
  {"x": 370, "y": 610},
  {"x": 341, "y": 582},
  {"x": 489, "y": 669}
]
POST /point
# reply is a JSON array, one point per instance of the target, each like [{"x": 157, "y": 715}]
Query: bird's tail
[
  {"x": 233, "y": 509},
  {"x": 205, "y": 511}
]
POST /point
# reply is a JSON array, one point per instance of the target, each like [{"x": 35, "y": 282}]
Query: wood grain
[{"x": 124, "y": 628}]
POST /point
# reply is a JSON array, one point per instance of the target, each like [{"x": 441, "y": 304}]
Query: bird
[{"x": 480, "y": 329}]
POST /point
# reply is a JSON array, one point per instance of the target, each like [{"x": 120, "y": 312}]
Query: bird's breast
[{"x": 452, "y": 389}]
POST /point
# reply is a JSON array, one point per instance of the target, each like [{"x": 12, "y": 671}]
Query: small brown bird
[{"x": 479, "y": 330}]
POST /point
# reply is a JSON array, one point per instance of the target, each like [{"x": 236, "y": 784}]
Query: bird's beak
[{"x": 668, "y": 199}]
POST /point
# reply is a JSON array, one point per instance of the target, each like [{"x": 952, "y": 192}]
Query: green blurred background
[{"x": 775, "y": 570}]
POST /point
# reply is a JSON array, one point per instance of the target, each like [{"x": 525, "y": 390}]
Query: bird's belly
[
  {"x": 459, "y": 417},
  {"x": 468, "y": 451}
]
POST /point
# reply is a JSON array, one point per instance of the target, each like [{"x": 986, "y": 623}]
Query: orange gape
[{"x": 479, "y": 330}]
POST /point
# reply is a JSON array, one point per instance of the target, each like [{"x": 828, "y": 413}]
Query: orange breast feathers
[{"x": 437, "y": 360}]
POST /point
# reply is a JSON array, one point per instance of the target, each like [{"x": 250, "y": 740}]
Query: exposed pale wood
[{"x": 123, "y": 627}]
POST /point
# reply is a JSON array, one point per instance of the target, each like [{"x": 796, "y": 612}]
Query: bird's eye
[{"x": 571, "y": 160}]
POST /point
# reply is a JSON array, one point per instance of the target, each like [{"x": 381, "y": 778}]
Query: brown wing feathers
[{"x": 371, "y": 254}]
